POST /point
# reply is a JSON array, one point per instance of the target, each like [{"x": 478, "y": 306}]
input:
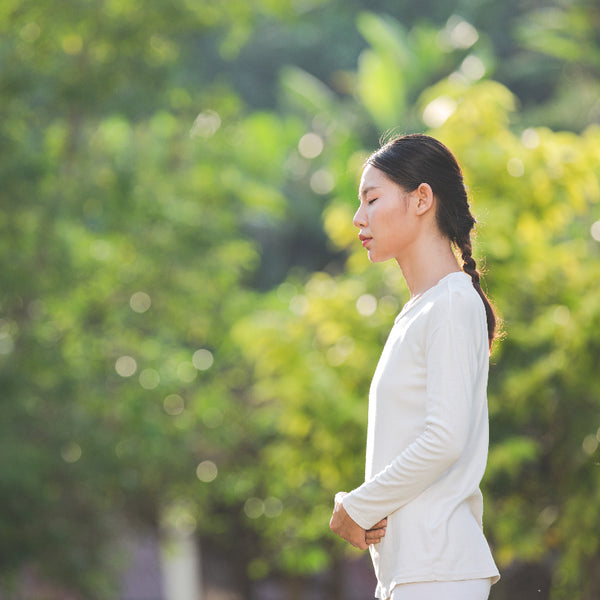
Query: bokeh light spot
[
  {"x": 140, "y": 302},
  {"x": 30, "y": 32},
  {"x": 460, "y": 33},
  {"x": 366, "y": 305},
  {"x": 203, "y": 359},
  {"x": 590, "y": 444},
  {"x": 186, "y": 372},
  {"x": 207, "y": 123},
  {"x": 310, "y": 145},
  {"x": 322, "y": 182},
  {"x": 72, "y": 44},
  {"x": 126, "y": 366},
  {"x": 179, "y": 516},
  {"x": 100, "y": 250},
  {"x": 207, "y": 471},
  {"x": 286, "y": 291},
  {"x": 472, "y": 68},
  {"x": 530, "y": 138},
  {"x": 6, "y": 343},
  {"x": 340, "y": 351},
  {"x": 254, "y": 508},
  {"x": 548, "y": 516},
  {"x": 595, "y": 231},
  {"x": 299, "y": 304},
  {"x": 388, "y": 305},
  {"x": 561, "y": 315},
  {"x": 515, "y": 167},
  {"x": 71, "y": 452},
  {"x": 273, "y": 507},
  {"x": 173, "y": 404},
  {"x": 149, "y": 379}
]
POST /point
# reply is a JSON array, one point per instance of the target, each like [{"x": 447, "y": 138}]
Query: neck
[{"x": 427, "y": 263}]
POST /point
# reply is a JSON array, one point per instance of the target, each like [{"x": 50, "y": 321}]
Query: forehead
[{"x": 372, "y": 177}]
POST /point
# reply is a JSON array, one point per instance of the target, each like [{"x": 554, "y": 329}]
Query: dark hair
[{"x": 413, "y": 159}]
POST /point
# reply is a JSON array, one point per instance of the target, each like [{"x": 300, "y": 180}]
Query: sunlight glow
[{"x": 438, "y": 111}]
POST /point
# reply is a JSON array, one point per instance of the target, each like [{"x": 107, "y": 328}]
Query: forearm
[{"x": 412, "y": 472}]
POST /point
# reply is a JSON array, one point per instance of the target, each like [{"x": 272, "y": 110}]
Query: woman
[{"x": 420, "y": 508}]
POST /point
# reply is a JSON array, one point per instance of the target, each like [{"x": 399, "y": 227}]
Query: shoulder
[{"x": 456, "y": 302}]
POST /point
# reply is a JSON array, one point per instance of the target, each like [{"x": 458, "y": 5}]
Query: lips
[{"x": 364, "y": 239}]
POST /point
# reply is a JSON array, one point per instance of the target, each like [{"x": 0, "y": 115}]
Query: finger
[
  {"x": 373, "y": 542},
  {"x": 376, "y": 532},
  {"x": 374, "y": 536},
  {"x": 381, "y": 524}
]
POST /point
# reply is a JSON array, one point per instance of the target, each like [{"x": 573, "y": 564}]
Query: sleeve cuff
[{"x": 354, "y": 514}]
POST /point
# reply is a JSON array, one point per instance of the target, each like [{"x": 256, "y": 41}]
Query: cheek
[{"x": 388, "y": 222}]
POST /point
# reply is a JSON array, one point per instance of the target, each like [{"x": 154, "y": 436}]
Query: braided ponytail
[
  {"x": 414, "y": 159},
  {"x": 470, "y": 267}
]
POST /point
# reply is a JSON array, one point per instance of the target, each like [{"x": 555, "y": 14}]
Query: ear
[{"x": 425, "y": 198}]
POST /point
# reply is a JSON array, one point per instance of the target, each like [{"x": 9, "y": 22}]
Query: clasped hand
[{"x": 343, "y": 525}]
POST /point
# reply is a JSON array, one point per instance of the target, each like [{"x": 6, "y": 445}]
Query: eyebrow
[{"x": 366, "y": 190}]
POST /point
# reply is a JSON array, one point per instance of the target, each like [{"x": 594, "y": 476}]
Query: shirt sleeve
[{"x": 452, "y": 356}]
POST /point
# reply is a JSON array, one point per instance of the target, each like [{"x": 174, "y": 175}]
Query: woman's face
[{"x": 386, "y": 222}]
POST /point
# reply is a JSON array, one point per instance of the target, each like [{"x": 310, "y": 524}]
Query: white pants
[{"x": 469, "y": 589}]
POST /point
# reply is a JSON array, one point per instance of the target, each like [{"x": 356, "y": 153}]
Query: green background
[{"x": 188, "y": 325}]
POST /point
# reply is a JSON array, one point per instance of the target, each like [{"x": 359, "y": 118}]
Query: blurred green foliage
[{"x": 187, "y": 324}]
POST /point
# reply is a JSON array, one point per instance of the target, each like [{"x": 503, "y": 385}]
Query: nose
[{"x": 360, "y": 217}]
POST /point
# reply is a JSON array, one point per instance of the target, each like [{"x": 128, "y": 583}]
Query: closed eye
[{"x": 373, "y": 200}]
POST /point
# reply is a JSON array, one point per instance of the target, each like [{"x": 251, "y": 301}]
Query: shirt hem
[{"x": 383, "y": 592}]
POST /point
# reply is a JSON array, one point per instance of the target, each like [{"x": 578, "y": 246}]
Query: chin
[{"x": 373, "y": 258}]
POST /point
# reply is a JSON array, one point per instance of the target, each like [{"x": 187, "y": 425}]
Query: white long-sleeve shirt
[{"x": 427, "y": 442}]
